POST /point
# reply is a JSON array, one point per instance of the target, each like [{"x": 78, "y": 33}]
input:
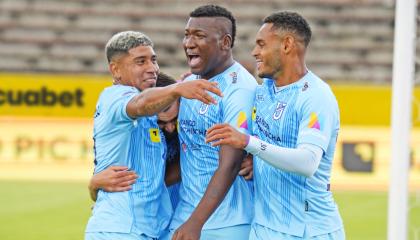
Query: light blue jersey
[
  {"x": 121, "y": 141},
  {"x": 199, "y": 160},
  {"x": 303, "y": 112},
  {"x": 172, "y": 155}
]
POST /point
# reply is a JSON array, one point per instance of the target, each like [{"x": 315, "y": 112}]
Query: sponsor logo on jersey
[
  {"x": 184, "y": 147},
  {"x": 154, "y": 135},
  {"x": 314, "y": 122},
  {"x": 234, "y": 76},
  {"x": 305, "y": 87},
  {"x": 242, "y": 121}
]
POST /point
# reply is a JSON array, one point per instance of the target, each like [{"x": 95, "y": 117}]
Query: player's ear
[
  {"x": 115, "y": 70},
  {"x": 226, "y": 42},
  {"x": 288, "y": 43}
]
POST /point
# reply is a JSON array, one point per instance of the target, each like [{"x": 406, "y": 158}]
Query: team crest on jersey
[
  {"x": 279, "y": 110},
  {"x": 203, "y": 109},
  {"x": 234, "y": 76}
]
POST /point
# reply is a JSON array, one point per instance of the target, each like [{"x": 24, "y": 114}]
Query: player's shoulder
[
  {"x": 112, "y": 93},
  {"x": 313, "y": 86},
  {"x": 118, "y": 91},
  {"x": 191, "y": 77},
  {"x": 237, "y": 77},
  {"x": 315, "y": 91}
]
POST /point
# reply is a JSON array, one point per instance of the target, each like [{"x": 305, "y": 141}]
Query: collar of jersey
[
  {"x": 269, "y": 84},
  {"x": 220, "y": 74}
]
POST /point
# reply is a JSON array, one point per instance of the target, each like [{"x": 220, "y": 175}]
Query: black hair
[
  {"x": 216, "y": 11},
  {"x": 164, "y": 80},
  {"x": 122, "y": 42},
  {"x": 291, "y": 22}
]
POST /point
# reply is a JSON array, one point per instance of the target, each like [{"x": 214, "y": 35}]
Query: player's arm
[
  {"x": 112, "y": 179},
  {"x": 229, "y": 164},
  {"x": 237, "y": 106},
  {"x": 303, "y": 160},
  {"x": 154, "y": 100}
]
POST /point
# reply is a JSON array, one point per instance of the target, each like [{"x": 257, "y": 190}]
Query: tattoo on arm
[
  {"x": 157, "y": 106},
  {"x": 152, "y": 101}
]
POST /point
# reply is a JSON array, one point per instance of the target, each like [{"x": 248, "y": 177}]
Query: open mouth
[{"x": 194, "y": 60}]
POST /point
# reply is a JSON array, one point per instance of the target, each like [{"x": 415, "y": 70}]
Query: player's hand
[
  {"x": 114, "y": 179},
  {"x": 199, "y": 89},
  {"x": 247, "y": 169},
  {"x": 184, "y": 76},
  {"x": 188, "y": 231},
  {"x": 221, "y": 134}
]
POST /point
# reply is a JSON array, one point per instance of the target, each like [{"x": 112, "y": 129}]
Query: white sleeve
[{"x": 303, "y": 160}]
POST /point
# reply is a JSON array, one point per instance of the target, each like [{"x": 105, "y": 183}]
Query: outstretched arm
[
  {"x": 154, "y": 100},
  {"x": 303, "y": 160}
]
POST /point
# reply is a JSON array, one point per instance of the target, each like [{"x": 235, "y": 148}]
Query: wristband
[{"x": 247, "y": 140}]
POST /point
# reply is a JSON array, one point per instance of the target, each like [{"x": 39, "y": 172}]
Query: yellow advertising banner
[
  {"x": 370, "y": 104},
  {"x": 50, "y": 95},
  {"x": 61, "y": 149},
  {"x": 75, "y": 96},
  {"x": 363, "y": 156}
]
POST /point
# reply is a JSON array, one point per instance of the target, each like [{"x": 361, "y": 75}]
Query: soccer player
[
  {"x": 215, "y": 203},
  {"x": 296, "y": 123},
  {"x": 126, "y": 133},
  {"x": 119, "y": 178}
]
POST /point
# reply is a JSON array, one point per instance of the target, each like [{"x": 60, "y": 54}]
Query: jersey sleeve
[
  {"x": 237, "y": 109},
  {"x": 118, "y": 105},
  {"x": 317, "y": 122}
]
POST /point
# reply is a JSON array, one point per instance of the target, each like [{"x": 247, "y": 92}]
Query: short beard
[
  {"x": 170, "y": 136},
  {"x": 264, "y": 75}
]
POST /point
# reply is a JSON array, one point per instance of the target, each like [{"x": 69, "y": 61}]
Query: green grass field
[{"x": 47, "y": 211}]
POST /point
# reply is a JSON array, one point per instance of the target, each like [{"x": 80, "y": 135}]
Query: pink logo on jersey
[
  {"x": 313, "y": 121},
  {"x": 242, "y": 121},
  {"x": 184, "y": 147}
]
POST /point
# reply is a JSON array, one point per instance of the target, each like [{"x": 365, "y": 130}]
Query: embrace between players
[{"x": 171, "y": 162}]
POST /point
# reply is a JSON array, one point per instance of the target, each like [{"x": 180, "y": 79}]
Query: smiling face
[
  {"x": 268, "y": 52},
  {"x": 137, "y": 68},
  {"x": 203, "y": 45}
]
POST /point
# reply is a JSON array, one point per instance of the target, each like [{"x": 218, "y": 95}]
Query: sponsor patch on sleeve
[
  {"x": 154, "y": 135},
  {"x": 242, "y": 121}
]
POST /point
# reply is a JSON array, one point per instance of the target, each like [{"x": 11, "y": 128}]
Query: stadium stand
[{"x": 352, "y": 40}]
